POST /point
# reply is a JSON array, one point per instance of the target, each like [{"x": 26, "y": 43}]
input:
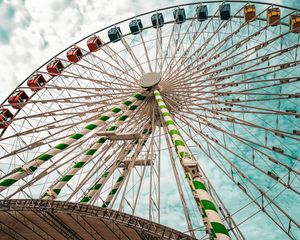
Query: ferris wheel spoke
[
  {"x": 146, "y": 52},
  {"x": 32, "y": 165},
  {"x": 199, "y": 33},
  {"x": 253, "y": 163},
  {"x": 210, "y": 38},
  {"x": 228, "y": 55},
  {"x": 158, "y": 50},
  {"x": 115, "y": 56},
  {"x": 179, "y": 186},
  {"x": 148, "y": 131},
  {"x": 132, "y": 54},
  {"x": 240, "y": 139},
  {"x": 96, "y": 60},
  {"x": 54, "y": 191},
  {"x": 91, "y": 76},
  {"x": 210, "y": 215},
  {"x": 105, "y": 161},
  {"x": 180, "y": 46},
  {"x": 96, "y": 188},
  {"x": 259, "y": 201},
  {"x": 125, "y": 173},
  {"x": 233, "y": 227},
  {"x": 46, "y": 172},
  {"x": 232, "y": 119}
]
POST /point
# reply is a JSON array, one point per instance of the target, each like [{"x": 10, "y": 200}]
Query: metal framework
[{"x": 206, "y": 144}]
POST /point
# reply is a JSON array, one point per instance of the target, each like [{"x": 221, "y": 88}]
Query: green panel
[
  {"x": 120, "y": 179},
  {"x": 78, "y": 164},
  {"x": 20, "y": 170},
  {"x": 133, "y": 107},
  {"x": 104, "y": 118},
  {"x": 219, "y": 228},
  {"x": 90, "y": 152},
  {"x": 208, "y": 205},
  {"x": 45, "y": 157},
  {"x": 179, "y": 143},
  {"x": 112, "y": 128},
  {"x": 123, "y": 118},
  {"x": 61, "y": 146},
  {"x": 127, "y": 103},
  {"x": 57, "y": 191},
  {"x": 116, "y": 110},
  {"x": 184, "y": 154},
  {"x": 162, "y": 106},
  {"x": 113, "y": 191},
  {"x": 76, "y": 136},
  {"x": 7, "y": 182},
  {"x": 105, "y": 205},
  {"x": 33, "y": 168},
  {"x": 199, "y": 185},
  {"x": 101, "y": 140},
  {"x": 85, "y": 199},
  {"x": 174, "y": 131},
  {"x": 105, "y": 174},
  {"x": 91, "y": 126},
  {"x": 66, "y": 178},
  {"x": 97, "y": 186},
  {"x": 156, "y": 93},
  {"x": 165, "y": 114},
  {"x": 139, "y": 96},
  {"x": 169, "y": 122}
]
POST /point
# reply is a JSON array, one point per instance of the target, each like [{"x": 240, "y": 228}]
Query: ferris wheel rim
[{"x": 139, "y": 15}]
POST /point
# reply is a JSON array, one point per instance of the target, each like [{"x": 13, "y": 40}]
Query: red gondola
[
  {"x": 55, "y": 68},
  {"x": 18, "y": 100},
  {"x": 74, "y": 55},
  {"x": 94, "y": 44},
  {"x": 5, "y": 118},
  {"x": 36, "y": 83}
]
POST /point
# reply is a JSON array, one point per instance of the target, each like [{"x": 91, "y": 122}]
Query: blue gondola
[
  {"x": 202, "y": 13},
  {"x": 179, "y": 15},
  {"x": 114, "y": 34},
  {"x": 157, "y": 20},
  {"x": 136, "y": 26},
  {"x": 224, "y": 11}
]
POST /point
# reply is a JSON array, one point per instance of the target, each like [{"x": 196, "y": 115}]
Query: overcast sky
[{"x": 33, "y": 31}]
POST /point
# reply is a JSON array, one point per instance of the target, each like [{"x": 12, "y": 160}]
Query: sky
[{"x": 33, "y": 31}]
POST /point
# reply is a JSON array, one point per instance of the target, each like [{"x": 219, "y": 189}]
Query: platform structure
[{"x": 40, "y": 219}]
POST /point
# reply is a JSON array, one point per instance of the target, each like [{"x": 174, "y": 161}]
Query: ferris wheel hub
[{"x": 149, "y": 80}]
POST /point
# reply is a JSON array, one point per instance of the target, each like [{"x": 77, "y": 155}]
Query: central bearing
[{"x": 149, "y": 80}]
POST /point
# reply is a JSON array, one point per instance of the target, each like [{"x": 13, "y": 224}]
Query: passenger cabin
[
  {"x": 249, "y": 13},
  {"x": 224, "y": 11},
  {"x": 115, "y": 34},
  {"x": 136, "y": 26},
  {"x": 94, "y": 44},
  {"x": 202, "y": 13},
  {"x": 179, "y": 15},
  {"x": 5, "y": 118},
  {"x": 157, "y": 20},
  {"x": 18, "y": 100},
  {"x": 295, "y": 23},
  {"x": 55, "y": 68},
  {"x": 36, "y": 83},
  {"x": 74, "y": 54},
  {"x": 273, "y": 16}
]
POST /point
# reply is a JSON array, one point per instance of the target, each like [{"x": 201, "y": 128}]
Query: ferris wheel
[{"x": 184, "y": 118}]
